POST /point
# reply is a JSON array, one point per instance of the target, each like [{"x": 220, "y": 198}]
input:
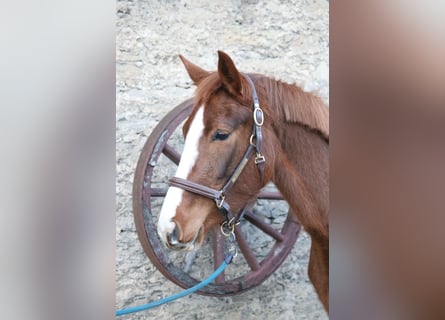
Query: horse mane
[
  {"x": 288, "y": 101},
  {"x": 294, "y": 105}
]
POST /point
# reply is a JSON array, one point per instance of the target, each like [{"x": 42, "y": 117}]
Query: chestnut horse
[{"x": 292, "y": 127}]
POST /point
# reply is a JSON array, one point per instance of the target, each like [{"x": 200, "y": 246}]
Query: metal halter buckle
[
  {"x": 259, "y": 158},
  {"x": 258, "y": 116}
]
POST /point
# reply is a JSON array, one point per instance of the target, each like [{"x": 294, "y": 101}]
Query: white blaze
[{"x": 189, "y": 155}]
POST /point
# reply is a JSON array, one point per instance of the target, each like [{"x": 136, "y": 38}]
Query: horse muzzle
[{"x": 173, "y": 242}]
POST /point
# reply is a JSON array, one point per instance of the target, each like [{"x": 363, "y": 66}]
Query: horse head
[{"x": 217, "y": 135}]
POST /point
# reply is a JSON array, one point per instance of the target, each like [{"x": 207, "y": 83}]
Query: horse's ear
[
  {"x": 196, "y": 73},
  {"x": 229, "y": 75}
]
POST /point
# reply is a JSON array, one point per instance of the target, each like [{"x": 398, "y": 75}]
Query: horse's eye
[{"x": 220, "y": 136}]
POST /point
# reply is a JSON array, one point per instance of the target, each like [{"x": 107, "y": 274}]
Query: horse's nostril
[{"x": 173, "y": 240}]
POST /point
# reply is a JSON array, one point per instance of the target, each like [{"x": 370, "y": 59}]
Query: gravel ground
[{"x": 284, "y": 39}]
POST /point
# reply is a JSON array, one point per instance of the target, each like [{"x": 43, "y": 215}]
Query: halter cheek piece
[{"x": 219, "y": 196}]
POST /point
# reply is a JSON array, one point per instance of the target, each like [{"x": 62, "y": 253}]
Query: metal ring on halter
[
  {"x": 227, "y": 228},
  {"x": 232, "y": 221},
  {"x": 220, "y": 201},
  {"x": 251, "y": 140}
]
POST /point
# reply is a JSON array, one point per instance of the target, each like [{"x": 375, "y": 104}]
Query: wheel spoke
[
  {"x": 158, "y": 192},
  {"x": 189, "y": 260},
  {"x": 171, "y": 153},
  {"x": 265, "y": 227},
  {"x": 246, "y": 251},
  {"x": 218, "y": 253},
  {"x": 270, "y": 195}
]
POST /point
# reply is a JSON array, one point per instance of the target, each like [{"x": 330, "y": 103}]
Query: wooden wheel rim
[{"x": 146, "y": 222}]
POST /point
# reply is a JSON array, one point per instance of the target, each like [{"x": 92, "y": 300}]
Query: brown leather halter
[{"x": 219, "y": 196}]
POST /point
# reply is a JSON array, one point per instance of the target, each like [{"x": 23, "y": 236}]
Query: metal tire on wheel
[{"x": 264, "y": 238}]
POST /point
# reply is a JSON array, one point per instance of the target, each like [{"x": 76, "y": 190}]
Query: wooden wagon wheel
[{"x": 265, "y": 236}]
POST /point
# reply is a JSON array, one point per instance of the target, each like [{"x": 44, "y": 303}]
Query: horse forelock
[
  {"x": 212, "y": 84},
  {"x": 206, "y": 88}
]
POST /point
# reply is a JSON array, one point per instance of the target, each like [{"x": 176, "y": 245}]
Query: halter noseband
[{"x": 254, "y": 145}]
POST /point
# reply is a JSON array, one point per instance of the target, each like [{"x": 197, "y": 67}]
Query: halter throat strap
[{"x": 256, "y": 138}]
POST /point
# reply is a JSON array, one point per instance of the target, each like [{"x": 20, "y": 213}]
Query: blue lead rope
[{"x": 222, "y": 267}]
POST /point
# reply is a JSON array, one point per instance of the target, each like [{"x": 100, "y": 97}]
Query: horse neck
[
  {"x": 301, "y": 166},
  {"x": 303, "y": 179}
]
